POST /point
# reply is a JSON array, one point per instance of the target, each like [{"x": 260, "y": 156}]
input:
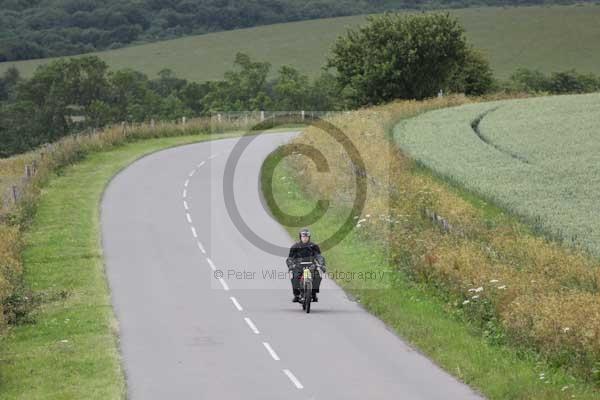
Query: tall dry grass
[{"x": 518, "y": 288}]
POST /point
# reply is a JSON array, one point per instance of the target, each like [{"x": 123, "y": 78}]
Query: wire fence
[{"x": 13, "y": 185}]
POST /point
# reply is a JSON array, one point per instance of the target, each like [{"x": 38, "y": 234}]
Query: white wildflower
[
  {"x": 475, "y": 297},
  {"x": 502, "y": 287},
  {"x": 466, "y": 301},
  {"x": 494, "y": 281},
  {"x": 566, "y": 329}
]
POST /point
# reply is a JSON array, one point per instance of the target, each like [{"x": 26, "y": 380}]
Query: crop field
[
  {"x": 539, "y": 158},
  {"x": 549, "y": 38}
]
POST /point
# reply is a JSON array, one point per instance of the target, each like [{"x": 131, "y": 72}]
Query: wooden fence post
[
  {"x": 15, "y": 194},
  {"x": 28, "y": 173}
]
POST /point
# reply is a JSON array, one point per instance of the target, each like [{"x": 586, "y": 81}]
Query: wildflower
[
  {"x": 361, "y": 220},
  {"x": 566, "y": 329},
  {"x": 368, "y": 215},
  {"x": 494, "y": 281},
  {"x": 502, "y": 287},
  {"x": 564, "y": 388},
  {"x": 466, "y": 301},
  {"x": 475, "y": 297},
  {"x": 64, "y": 341}
]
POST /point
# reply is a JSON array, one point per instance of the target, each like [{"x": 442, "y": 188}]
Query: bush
[{"x": 399, "y": 56}]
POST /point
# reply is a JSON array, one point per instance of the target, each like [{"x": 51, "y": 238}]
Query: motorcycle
[{"x": 306, "y": 283}]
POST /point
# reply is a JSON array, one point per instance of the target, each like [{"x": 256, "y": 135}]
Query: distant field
[
  {"x": 547, "y": 38},
  {"x": 537, "y": 157}
]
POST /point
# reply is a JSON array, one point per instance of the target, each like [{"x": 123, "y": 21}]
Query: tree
[
  {"x": 474, "y": 77},
  {"x": 572, "y": 82},
  {"x": 192, "y": 96},
  {"x": 324, "y": 93},
  {"x": 291, "y": 89},
  {"x": 398, "y": 56},
  {"x": 530, "y": 81},
  {"x": 243, "y": 89},
  {"x": 167, "y": 83},
  {"x": 171, "y": 108},
  {"x": 8, "y": 84},
  {"x": 20, "y": 128}
]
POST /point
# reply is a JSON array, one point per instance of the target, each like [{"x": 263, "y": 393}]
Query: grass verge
[
  {"x": 66, "y": 348},
  {"x": 421, "y": 316}
]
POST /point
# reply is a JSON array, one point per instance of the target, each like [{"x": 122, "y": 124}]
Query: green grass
[
  {"x": 422, "y": 317},
  {"x": 539, "y": 159},
  {"x": 65, "y": 271},
  {"x": 549, "y": 38}
]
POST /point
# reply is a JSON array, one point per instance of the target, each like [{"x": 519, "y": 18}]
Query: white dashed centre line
[
  {"x": 251, "y": 325},
  {"x": 211, "y": 263},
  {"x": 294, "y": 380},
  {"x": 236, "y": 304},
  {"x": 224, "y": 284},
  {"x": 271, "y": 351}
]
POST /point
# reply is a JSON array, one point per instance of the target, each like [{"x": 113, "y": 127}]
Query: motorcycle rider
[{"x": 304, "y": 250}]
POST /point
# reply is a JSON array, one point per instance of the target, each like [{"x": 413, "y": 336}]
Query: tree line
[
  {"x": 393, "y": 56},
  {"x": 70, "y": 95},
  {"x": 36, "y": 29}
]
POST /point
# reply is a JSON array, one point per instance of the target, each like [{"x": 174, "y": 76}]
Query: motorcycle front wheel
[{"x": 307, "y": 297}]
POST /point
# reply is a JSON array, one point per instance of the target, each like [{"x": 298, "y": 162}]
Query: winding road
[{"x": 203, "y": 313}]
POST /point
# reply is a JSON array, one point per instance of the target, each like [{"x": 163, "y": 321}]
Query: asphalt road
[{"x": 184, "y": 334}]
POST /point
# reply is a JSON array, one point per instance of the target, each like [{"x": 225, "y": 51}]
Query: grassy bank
[
  {"x": 550, "y": 38},
  {"x": 424, "y": 296},
  {"x": 66, "y": 347}
]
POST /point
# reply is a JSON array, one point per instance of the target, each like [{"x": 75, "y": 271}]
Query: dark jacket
[{"x": 304, "y": 252}]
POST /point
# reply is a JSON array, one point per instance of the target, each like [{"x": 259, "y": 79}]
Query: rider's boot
[
  {"x": 315, "y": 298},
  {"x": 296, "y": 299}
]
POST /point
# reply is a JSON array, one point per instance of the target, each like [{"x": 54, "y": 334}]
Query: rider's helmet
[{"x": 303, "y": 232}]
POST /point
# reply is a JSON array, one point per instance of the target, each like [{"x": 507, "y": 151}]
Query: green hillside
[{"x": 546, "y": 38}]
